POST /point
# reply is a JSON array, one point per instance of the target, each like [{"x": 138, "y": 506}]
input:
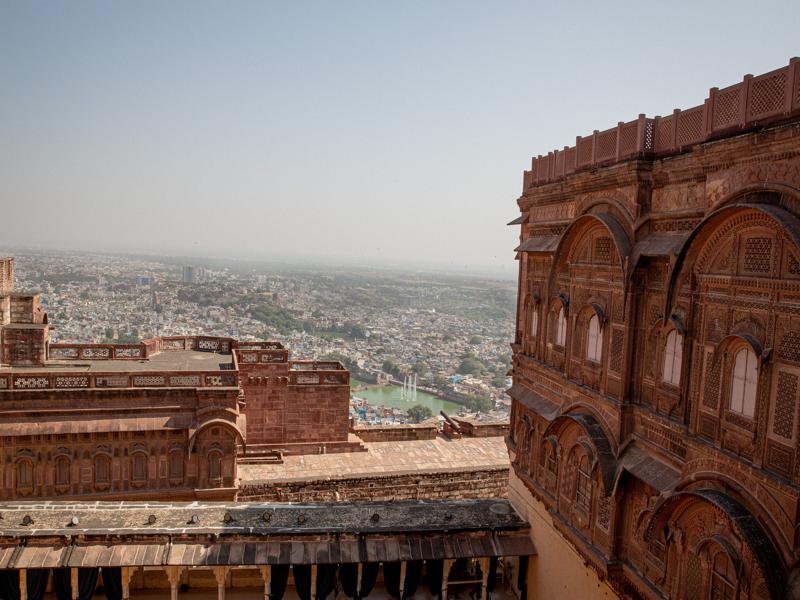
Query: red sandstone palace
[
  {"x": 164, "y": 418},
  {"x": 655, "y": 429}
]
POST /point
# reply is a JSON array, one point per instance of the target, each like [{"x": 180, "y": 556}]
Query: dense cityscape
[{"x": 448, "y": 334}]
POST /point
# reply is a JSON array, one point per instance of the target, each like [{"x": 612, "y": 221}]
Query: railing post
[
  {"x": 619, "y": 135},
  {"x": 706, "y": 118},
  {"x": 744, "y": 101},
  {"x": 791, "y": 80},
  {"x": 594, "y": 146},
  {"x": 641, "y": 132},
  {"x": 675, "y": 116},
  {"x": 712, "y": 106}
]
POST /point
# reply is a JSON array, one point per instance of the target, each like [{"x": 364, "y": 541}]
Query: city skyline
[{"x": 384, "y": 135}]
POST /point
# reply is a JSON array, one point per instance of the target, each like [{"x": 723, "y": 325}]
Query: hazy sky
[{"x": 384, "y": 132}]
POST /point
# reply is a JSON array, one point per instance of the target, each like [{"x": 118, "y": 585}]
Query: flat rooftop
[
  {"x": 170, "y": 360},
  {"x": 438, "y": 455}
]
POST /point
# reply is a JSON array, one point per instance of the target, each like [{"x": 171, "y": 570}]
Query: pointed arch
[
  {"x": 616, "y": 230},
  {"x": 687, "y": 255},
  {"x": 603, "y": 454},
  {"x": 741, "y": 521},
  {"x": 219, "y": 423}
]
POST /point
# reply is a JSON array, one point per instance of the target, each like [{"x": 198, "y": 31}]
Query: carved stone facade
[{"x": 657, "y": 367}]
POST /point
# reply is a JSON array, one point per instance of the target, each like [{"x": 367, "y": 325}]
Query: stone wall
[
  {"x": 472, "y": 428},
  {"x": 484, "y": 483},
  {"x": 396, "y": 433}
]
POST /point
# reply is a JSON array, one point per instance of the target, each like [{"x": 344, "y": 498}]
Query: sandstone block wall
[{"x": 484, "y": 483}]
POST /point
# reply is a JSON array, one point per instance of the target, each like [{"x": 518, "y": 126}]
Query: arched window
[
  {"x": 744, "y": 383},
  {"x": 102, "y": 469},
  {"x": 176, "y": 466},
  {"x": 561, "y": 328},
  {"x": 673, "y": 357},
  {"x": 723, "y": 578},
  {"x": 139, "y": 467},
  {"x": 534, "y": 321},
  {"x": 215, "y": 465},
  {"x": 594, "y": 340},
  {"x": 62, "y": 471},
  {"x": 548, "y": 460},
  {"x": 583, "y": 484},
  {"x": 25, "y": 475}
]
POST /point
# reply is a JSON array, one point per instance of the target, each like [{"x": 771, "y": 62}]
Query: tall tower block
[{"x": 6, "y": 274}]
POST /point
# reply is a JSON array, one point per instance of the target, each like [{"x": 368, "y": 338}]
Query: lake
[{"x": 390, "y": 395}]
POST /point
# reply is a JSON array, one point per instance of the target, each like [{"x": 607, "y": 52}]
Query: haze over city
[{"x": 376, "y": 133}]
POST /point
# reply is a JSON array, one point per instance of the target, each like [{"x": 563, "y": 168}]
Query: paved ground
[{"x": 385, "y": 458}]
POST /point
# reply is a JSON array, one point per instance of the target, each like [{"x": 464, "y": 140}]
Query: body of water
[{"x": 390, "y": 395}]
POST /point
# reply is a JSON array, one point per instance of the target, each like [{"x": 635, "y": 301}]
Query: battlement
[{"x": 755, "y": 102}]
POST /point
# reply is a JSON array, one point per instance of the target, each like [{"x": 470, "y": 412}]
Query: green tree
[
  {"x": 471, "y": 366},
  {"x": 420, "y": 367},
  {"x": 419, "y": 413},
  {"x": 478, "y": 404},
  {"x": 391, "y": 367},
  {"x": 499, "y": 381},
  {"x": 475, "y": 339}
]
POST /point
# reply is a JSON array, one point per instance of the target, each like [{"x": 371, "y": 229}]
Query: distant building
[
  {"x": 193, "y": 275},
  {"x": 655, "y": 433}
]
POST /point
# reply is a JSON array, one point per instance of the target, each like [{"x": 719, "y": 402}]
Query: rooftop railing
[
  {"x": 149, "y": 347},
  {"x": 143, "y": 379},
  {"x": 755, "y": 102}
]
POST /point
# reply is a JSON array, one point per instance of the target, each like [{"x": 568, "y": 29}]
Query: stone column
[
  {"x": 448, "y": 563},
  {"x": 74, "y": 582},
  {"x": 127, "y": 573},
  {"x": 484, "y": 563},
  {"x": 23, "y": 584},
  {"x": 220, "y": 573},
  {"x": 174, "y": 577},
  {"x": 402, "y": 578},
  {"x": 266, "y": 574}
]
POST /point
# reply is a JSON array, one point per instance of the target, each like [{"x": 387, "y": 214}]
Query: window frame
[
  {"x": 672, "y": 363},
  {"x": 139, "y": 457},
  {"x": 720, "y": 586},
  {"x": 214, "y": 457},
  {"x": 26, "y": 464},
  {"x": 59, "y": 461},
  {"x": 594, "y": 340},
  {"x": 583, "y": 484},
  {"x": 561, "y": 328},
  {"x": 533, "y": 330},
  {"x": 743, "y": 388},
  {"x": 105, "y": 459}
]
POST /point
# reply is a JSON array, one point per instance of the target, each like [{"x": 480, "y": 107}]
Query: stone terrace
[{"x": 437, "y": 468}]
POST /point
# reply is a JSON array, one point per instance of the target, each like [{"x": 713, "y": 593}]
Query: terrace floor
[{"x": 385, "y": 458}]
